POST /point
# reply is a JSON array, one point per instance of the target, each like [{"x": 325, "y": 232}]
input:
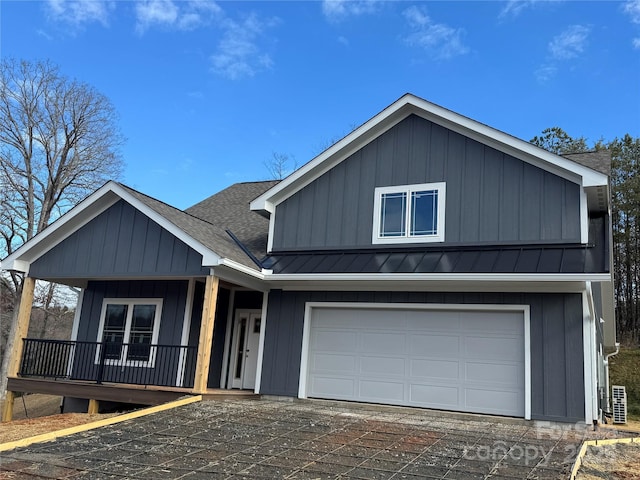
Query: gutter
[{"x": 606, "y": 376}]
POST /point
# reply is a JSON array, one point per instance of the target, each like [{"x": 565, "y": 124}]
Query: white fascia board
[
  {"x": 399, "y": 110},
  {"x": 241, "y": 268},
  {"x": 209, "y": 257},
  {"x": 242, "y": 276},
  {"x": 83, "y": 213},
  {"x": 76, "y": 218},
  {"x": 332, "y": 156},
  {"x": 519, "y": 148}
]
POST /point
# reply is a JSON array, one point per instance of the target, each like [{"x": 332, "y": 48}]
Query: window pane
[
  {"x": 392, "y": 214},
  {"x": 424, "y": 213},
  {"x": 143, "y": 316},
  {"x": 113, "y": 332},
  {"x": 141, "y": 332},
  {"x": 116, "y": 317}
]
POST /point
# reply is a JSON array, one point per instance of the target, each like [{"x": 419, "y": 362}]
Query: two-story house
[{"x": 424, "y": 260}]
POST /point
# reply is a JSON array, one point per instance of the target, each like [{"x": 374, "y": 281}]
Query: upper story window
[
  {"x": 128, "y": 329},
  {"x": 409, "y": 213}
]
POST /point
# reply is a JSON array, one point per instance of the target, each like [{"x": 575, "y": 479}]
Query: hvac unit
[{"x": 619, "y": 401}]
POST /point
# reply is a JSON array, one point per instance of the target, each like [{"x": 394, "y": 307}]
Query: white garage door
[{"x": 470, "y": 361}]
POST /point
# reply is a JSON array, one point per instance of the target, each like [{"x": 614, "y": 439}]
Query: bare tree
[
  {"x": 280, "y": 165},
  {"x": 59, "y": 140}
]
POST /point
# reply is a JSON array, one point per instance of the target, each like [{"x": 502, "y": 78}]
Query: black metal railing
[{"x": 139, "y": 364}]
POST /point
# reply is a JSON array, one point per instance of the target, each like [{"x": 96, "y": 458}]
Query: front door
[{"x": 244, "y": 352}]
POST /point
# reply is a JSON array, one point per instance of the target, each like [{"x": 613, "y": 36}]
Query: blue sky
[{"x": 206, "y": 91}]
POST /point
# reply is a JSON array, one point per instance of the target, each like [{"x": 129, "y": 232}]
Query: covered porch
[
  {"x": 202, "y": 340},
  {"x": 169, "y": 305}
]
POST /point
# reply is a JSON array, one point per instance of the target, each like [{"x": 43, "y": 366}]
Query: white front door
[{"x": 244, "y": 352}]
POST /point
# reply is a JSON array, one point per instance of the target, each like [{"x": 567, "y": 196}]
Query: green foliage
[
  {"x": 625, "y": 218},
  {"x": 623, "y": 370},
  {"x": 558, "y": 141}
]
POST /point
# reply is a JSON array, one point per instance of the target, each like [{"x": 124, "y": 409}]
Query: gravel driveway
[{"x": 245, "y": 439}]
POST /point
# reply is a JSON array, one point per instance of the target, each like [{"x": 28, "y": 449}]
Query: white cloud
[
  {"x": 180, "y": 15},
  {"x": 632, "y": 8},
  {"x": 438, "y": 39},
  {"x": 336, "y": 10},
  {"x": 513, "y": 8},
  {"x": 238, "y": 53},
  {"x": 570, "y": 43},
  {"x": 546, "y": 72},
  {"x": 80, "y": 12},
  {"x": 636, "y": 43}
]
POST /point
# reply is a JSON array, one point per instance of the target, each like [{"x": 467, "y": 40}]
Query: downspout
[{"x": 608, "y": 413}]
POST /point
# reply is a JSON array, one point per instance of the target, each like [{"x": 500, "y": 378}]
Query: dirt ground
[
  {"x": 42, "y": 415},
  {"x": 615, "y": 462}
]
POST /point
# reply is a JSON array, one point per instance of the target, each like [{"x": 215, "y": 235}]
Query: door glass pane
[
  {"x": 141, "y": 332},
  {"x": 424, "y": 213},
  {"x": 392, "y": 214},
  {"x": 240, "y": 355},
  {"x": 113, "y": 333}
]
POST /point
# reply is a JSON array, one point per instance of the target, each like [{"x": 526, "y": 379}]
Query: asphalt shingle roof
[
  {"x": 208, "y": 220},
  {"x": 599, "y": 160}
]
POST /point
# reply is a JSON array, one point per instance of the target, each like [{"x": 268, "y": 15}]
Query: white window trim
[
  {"x": 127, "y": 330},
  {"x": 408, "y": 189}
]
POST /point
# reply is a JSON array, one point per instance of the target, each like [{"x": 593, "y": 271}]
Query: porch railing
[{"x": 162, "y": 365}]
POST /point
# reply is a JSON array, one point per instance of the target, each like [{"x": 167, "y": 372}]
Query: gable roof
[
  {"x": 407, "y": 105},
  {"x": 229, "y": 210},
  {"x": 208, "y": 239}
]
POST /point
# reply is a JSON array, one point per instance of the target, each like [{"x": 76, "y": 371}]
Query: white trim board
[
  {"x": 89, "y": 208},
  {"x": 524, "y": 309},
  {"x": 263, "y": 330},
  {"x": 399, "y": 110}
]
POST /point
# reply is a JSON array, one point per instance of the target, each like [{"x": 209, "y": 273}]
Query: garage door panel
[
  {"x": 333, "y": 363},
  {"x": 382, "y": 390},
  {"x": 508, "y": 349},
  {"x": 333, "y": 387},
  {"x": 492, "y": 401},
  {"x": 437, "y": 396},
  {"x": 382, "y": 342},
  {"x": 382, "y": 365},
  {"x": 428, "y": 368},
  {"x": 435, "y": 344},
  {"x": 491, "y": 322},
  {"x": 493, "y": 373},
  {"x": 327, "y": 340},
  {"x": 440, "y": 320},
  {"x": 441, "y": 359}
]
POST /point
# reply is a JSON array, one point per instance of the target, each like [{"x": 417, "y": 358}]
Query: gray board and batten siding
[
  {"x": 557, "y": 372},
  {"x": 121, "y": 241},
  {"x": 491, "y": 197},
  {"x": 174, "y": 298}
]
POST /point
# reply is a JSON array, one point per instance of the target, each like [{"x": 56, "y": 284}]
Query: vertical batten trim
[
  {"x": 263, "y": 329},
  {"x": 186, "y": 329}
]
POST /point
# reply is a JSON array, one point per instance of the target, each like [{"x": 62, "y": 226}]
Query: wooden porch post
[
  {"x": 206, "y": 334},
  {"x": 22, "y": 329}
]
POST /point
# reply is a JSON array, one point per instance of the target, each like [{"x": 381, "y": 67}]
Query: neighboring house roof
[
  {"x": 599, "y": 160},
  {"x": 411, "y": 105}
]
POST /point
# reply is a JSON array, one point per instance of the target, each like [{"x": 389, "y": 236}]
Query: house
[{"x": 425, "y": 260}]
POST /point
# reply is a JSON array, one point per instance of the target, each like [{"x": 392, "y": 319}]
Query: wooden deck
[{"x": 114, "y": 392}]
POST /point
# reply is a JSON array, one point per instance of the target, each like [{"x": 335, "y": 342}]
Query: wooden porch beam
[
  {"x": 22, "y": 329},
  {"x": 206, "y": 334}
]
